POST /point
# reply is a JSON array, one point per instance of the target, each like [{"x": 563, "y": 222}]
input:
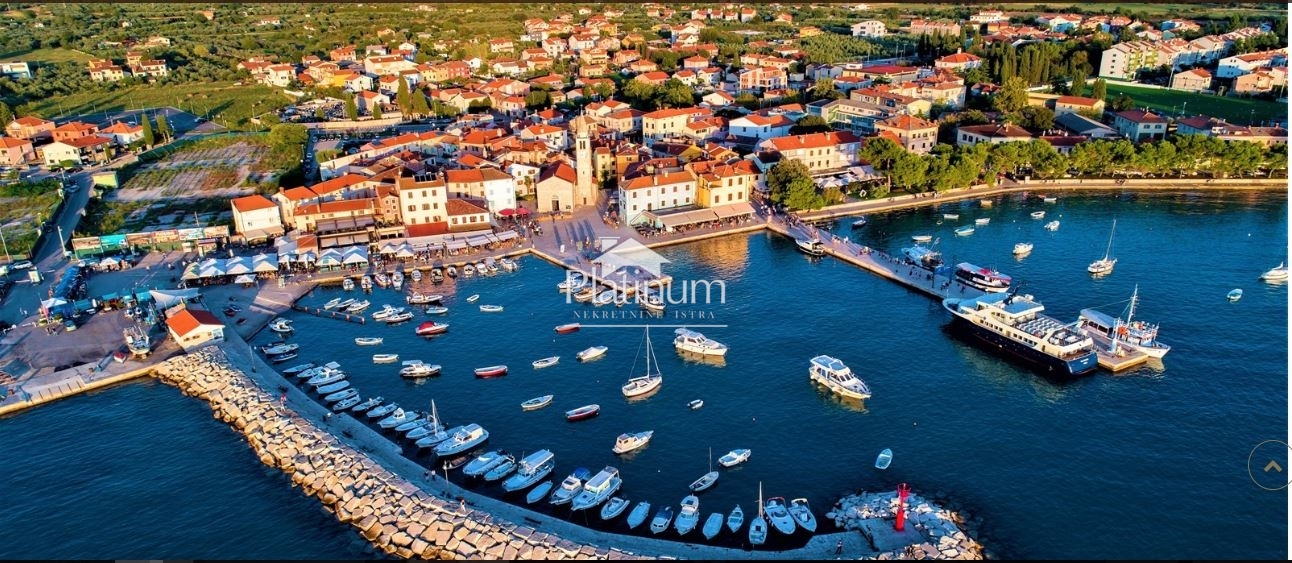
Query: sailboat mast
[{"x": 1134, "y": 297}]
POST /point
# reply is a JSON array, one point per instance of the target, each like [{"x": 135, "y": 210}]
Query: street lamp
[{"x": 7, "y": 258}]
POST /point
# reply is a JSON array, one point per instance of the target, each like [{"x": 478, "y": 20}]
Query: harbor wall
[
  {"x": 75, "y": 381},
  {"x": 392, "y": 513}
]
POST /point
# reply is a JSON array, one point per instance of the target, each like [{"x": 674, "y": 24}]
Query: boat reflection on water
[
  {"x": 706, "y": 359},
  {"x": 835, "y": 399}
]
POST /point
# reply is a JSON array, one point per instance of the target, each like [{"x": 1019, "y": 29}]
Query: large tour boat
[
  {"x": 1014, "y": 323},
  {"x": 1137, "y": 335},
  {"x": 986, "y": 279}
]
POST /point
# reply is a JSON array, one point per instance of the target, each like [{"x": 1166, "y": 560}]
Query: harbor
[{"x": 722, "y": 251}]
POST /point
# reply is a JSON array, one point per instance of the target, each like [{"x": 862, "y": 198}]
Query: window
[
  {"x": 435, "y": 205},
  {"x": 426, "y": 207},
  {"x": 423, "y": 193}
]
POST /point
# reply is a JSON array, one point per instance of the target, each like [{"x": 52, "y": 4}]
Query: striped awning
[
  {"x": 687, "y": 218},
  {"x": 734, "y": 210}
]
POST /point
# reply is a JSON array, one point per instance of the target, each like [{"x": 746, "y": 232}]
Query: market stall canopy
[
  {"x": 192, "y": 271},
  {"x": 264, "y": 263},
  {"x": 405, "y": 251},
  {"x": 245, "y": 278},
  {"x": 237, "y": 266},
  {"x": 167, "y": 298}
]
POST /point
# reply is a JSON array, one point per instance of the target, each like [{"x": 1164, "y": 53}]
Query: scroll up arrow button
[{"x": 1273, "y": 465}]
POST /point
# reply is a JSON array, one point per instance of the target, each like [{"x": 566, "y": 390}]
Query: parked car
[{"x": 21, "y": 265}]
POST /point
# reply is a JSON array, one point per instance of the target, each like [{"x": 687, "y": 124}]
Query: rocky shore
[
  {"x": 393, "y": 514},
  {"x": 949, "y": 533}
]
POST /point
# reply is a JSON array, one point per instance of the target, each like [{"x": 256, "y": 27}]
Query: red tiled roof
[
  {"x": 31, "y": 121},
  {"x": 252, "y": 203},
  {"x": 463, "y": 207},
  {"x": 908, "y": 122},
  {"x": 813, "y": 141},
  {"x": 1141, "y": 116},
  {"x": 298, "y": 194},
  {"x": 188, "y": 320},
  {"x": 426, "y": 229},
  {"x": 1077, "y": 101},
  {"x": 474, "y": 175},
  {"x": 959, "y": 58},
  {"x": 82, "y": 142},
  {"x": 324, "y": 188},
  {"x": 336, "y": 206}
]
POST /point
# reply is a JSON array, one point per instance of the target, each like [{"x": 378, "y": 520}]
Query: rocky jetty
[
  {"x": 942, "y": 529},
  {"x": 393, "y": 514}
]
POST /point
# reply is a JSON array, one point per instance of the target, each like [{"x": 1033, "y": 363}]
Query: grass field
[
  {"x": 221, "y": 102},
  {"x": 1234, "y": 110},
  {"x": 47, "y": 56}
]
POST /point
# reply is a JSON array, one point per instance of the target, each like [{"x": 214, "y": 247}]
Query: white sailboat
[
  {"x": 708, "y": 479},
  {"x": 645, "y": 384},
  {"x": 758, "y": 527},
  {"x": 1105, "y": 265}
]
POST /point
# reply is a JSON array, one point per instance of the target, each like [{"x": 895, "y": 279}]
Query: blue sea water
[{"x": 1135, "y": 465}]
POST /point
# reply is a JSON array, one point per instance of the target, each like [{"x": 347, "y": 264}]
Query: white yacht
[
  {"x": 1276, "y": 274},
  {"x": 598, "y": 489},
  {"x": 1007, "y": 322},
  {"x": 485, "y": 462},
  {"x": 779, "y": 515},
  {"x": 838, "y": 377},
  {"x": 1022, "y": 248},
  {"x": 802, "y": 514},
  {"x": 570, "y": 487},
  {"x": 734, "y": 457},
  {"x": 691, "y": 341},
  {"x": 630, "y": 441},
  {"x": 1105, "y": 265}
]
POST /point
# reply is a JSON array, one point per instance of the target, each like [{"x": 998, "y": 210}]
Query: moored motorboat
[
  {"x": 473, "y": 298},
  {"x": 491, "y": 308},
  {"x": 537, "y": 493},
  {"x": 922, "y": 238},
  {"x": 1234, "y": 295},
  {"x": 1048, "y": 199},
  {"x": 367, "y": 405},
  {"x": 779, "y": 515},
  {"x": 358, "y": 306},
  {"x": 1038, "y": 214},
  {"x": 400, "y": 416},
  {"x": 695, "y": 404},
  {"x": 294, "y": 370},
  {"x": 468, "y": 270},
  {"x": 530, "y": 470},
  {"x": 281, "y": 326},
  {"x": 438, "y": 437},
  {"x": 467, "y": 437},
  {"x": 582, "y": 413},
  {"x": 1052, "y": 226},
  {"x": 859, "y": 223},
  {"x": 332, "y": 304},
  {"x": 419, "y": 370},
  {"x": 567, "y": 328},
  {"x": 982, "y": 221},
  {"x": 417, "y": 298},
  {"x": 546, "y": 362},
  {"x": 347, "y": 403},
  {"x": 652, "y": 302},
  {"x": 341, "y": 395},
  {"x": 399, "y": 317},
  {"x": 1022, "y": 248},
  {"x": 485, "y": 462},
  {"x": 810, "y": 247},
  {"x": 613, "y": 508},
  {"x": 383, "y": 410},
  {"x": 279, "y": 348},
  {"x": 734, "y": 457},
  {"x": 491, "y": 371},
  {"x": 586, "y": 294},
  {"x": 837, "y": 377},
  {"x": 570, "y": 487},
  {"x": 986, "y": 279},
  {"x": 691, "y": 341},
  {"x": 384, "y": 358},
  {"x": 431, "y": 328},
  {"x": 451, "y": 271},
  {"x": 280, "y": 358},
  {"x": 381, "y": 279},
  {"x": 536, "y": 403},
  {"x": 368, "y": 341},
  {"x": 416, "y": 275},
  {"x": 436, "y": 310},
  {"x": 923, "y": 257},
  {"x": 630, "y": 441},
  {"x": 951, "y": 216},
  {"x": 661, "y": 520},
  {"x": 606, "y": 297},
  {"x": 503, "y": 469},
  {"x": 325, "y": 378},
  {"x": 1131, "y": 333},
  {"x": 1276, "y": 274},
  {"x": 639, "y": 514},
  {"x": 397, "y": 280},
  {"x": 385, "y": 312},
  {"x": 689, "y": 516},
  {"x": 802, "y": 513},
  {"x": 591, "y": 353},
  {"x": 964, "y": 231}
]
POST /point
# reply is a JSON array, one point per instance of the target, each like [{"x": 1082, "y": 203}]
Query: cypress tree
[{"x": 150, "y": 138}]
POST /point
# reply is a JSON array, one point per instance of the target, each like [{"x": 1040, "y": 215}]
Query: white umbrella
[
  {"x": 237, "y": 266},
  {"x": 245, "y": 278}
]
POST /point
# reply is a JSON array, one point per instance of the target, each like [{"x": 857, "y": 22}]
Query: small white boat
[
  {"x": 1022, "y": 248},
  {"x": 529, "y": 470},
  {"x": 567, "y": 328},
  {"x": 333, "y": 388},
  {"x": 345, "y": 304},
  {"x": 365, "y": 283},
  {"x": 1235, "y": 295},
  {"x": 712, "y": 525},
  {"x": 628, "y": 442},
  {"x": 416, "y": 275},
  {"x": 281, "y": 326},
  {"x": 570, "y": 487},
  {"x": 342, "y": 395},
  {"x": 397, "y": 280},
  {"x": 964, "y": 231},
  {"x": 537, "y": 493},
  {"x": 399, "y": 317},
  {"x": 436, "y": 310},
  {"x": 1050, "y": 199},
  {"x": 689, "y": 517},
  {"x": 696, "y": 404},
  {"x": 508, "y": 264},
  {"x": 280, "y": 348},
  {"x": 368, "y": 341},
  {"x": 613, "y": 508},
  {"x": 922, "y": 238},
  {"x": 464, "y": 439},
  {"x": 1275, "y": 274},
  {"x": 383, "y": 410},
  {"x": 986, "y": 202},
  {"x": 385, "y": 358},
  {"x": 451, "y": 272},
  {"x": 885, "y": 458},
  {"x": 951, "y": 216},
  {"x": 661, "y": 520},
  {"x": 546, "y": 362},
  {"x": 591, "y": 353},
  {"x": 431, "y": 328},
  {"x": 1038, "y": 214},
  {"x": 859, "y": 223},
  {"x": 837, "y": 377},
  {"x": 334, "y": 303},
  {"x": 652, "y": 302},
  {"x": 347, "y": 284},
  {"x": 734, "y": 457},
  {"x": 982, "y": 221},
  {"x": 358, "y": 306},
  {"x": 736, "y": 519},
  {"x": 605, "y": 298},
  {"x": 491, "y": 308},
  {"x": 688, "y": 340},
  {"x": 423, "y": 299},
  {"x": 325, "y": 378},
  {"x": 536, "y": 403},
  {"x": 1052, "y": 226},
  {"x": 419, "y": 370},
  {"x": 778, "y": 513},
  {"x": 810, "y": 247},
  {"x": 503, "y": 469},
  {"x": 366, "y": 405},
  {"x": 802, "y": 514},
  {"x": 485, "y": 462},
  {"x": 705, "y": 481},
  {"x": 473, "y": 298},
  {"x": 386, "y": 312},
  {"x": 639, "y": 514},
  {"x": 468, "y": 270},
  {"x": 298, "y": 369}
]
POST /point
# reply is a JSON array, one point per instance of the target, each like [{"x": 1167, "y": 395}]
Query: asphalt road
[{"x": 48, "y": 258}]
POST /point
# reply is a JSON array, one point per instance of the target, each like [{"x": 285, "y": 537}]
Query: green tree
[
  {"x": 150, "y": 138},
  {"x": 640, "y": 94},
  {"x": 674, "y": 94},
  {"x": 1100, "y": 90},
  {"x": 823, "y": 89},
  {"x": 351, "y": 108},
  {"x": 1122, "y": 103},
  {"x": 909, "y": 171},
  {"x": 286, "y": 135},
  {"x": 809, "y": 124},
  {"x": 404, "y": 98},
  {"x": 881, "y": 153},
  {"x": 1078, "y": 86},
  {"x": 1012, "y": 96},
  {"x": 1038, "y": 118},
  {"x": 6, "y": 115},
  {"x": 801, "y": 194},
  {"x": 163, "y": 127},
  {"x": 420, "y": 106},
  {"x": 783, "y": 176},
  {"x": 375, "y": 110}
]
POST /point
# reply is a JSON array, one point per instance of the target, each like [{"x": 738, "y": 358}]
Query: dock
[
  {"x": 327, "y": 314},
  {"x": 1123, "y": 359}
]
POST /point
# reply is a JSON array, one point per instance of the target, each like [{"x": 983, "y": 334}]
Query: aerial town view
[{"x": 405, "y": 281}]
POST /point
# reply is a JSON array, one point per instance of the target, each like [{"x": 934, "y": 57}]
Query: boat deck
[{"x": 1124, "y": 359}]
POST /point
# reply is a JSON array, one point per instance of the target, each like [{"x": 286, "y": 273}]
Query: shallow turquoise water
[{"x": 1135, "y": 465}]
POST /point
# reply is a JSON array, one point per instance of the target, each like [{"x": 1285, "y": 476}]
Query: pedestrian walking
[{"x": 838, "y": 548}]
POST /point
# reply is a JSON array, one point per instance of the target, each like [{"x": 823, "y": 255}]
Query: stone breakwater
[
  {"x": 949, "y": 533},
  {"x": 392, "y": 513}
]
